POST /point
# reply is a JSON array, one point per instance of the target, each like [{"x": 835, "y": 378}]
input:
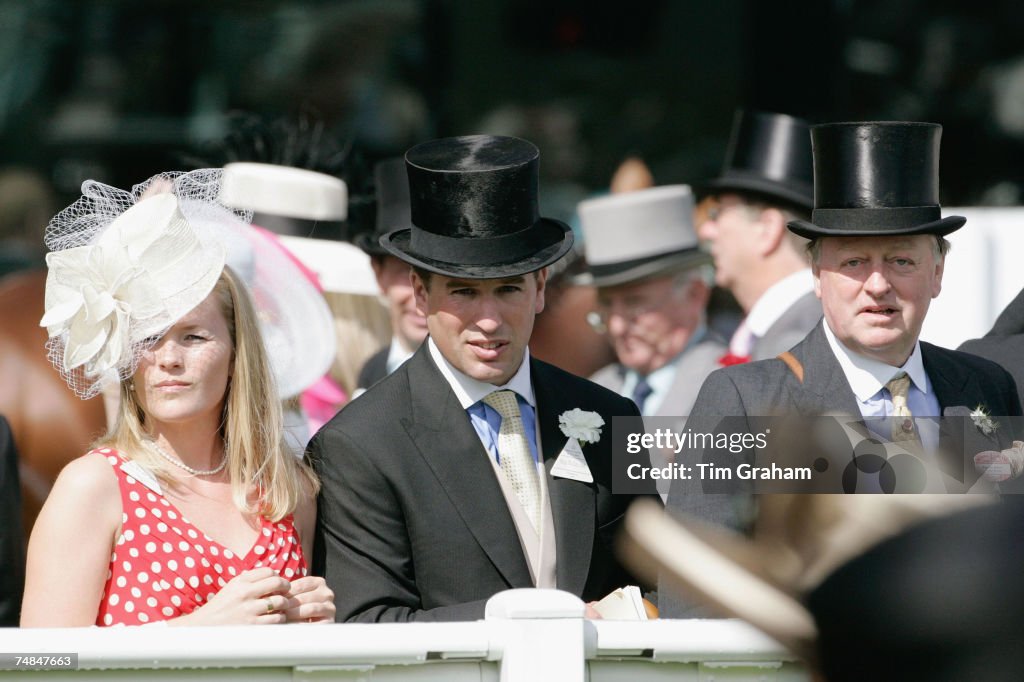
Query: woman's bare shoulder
[{"x": 89, "y": 476}]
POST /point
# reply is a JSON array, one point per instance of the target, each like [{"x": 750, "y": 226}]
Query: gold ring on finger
[{"x": 270, "y": 605}]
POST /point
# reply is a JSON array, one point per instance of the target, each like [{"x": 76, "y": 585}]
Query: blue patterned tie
[{"x": 641, "y": 393}]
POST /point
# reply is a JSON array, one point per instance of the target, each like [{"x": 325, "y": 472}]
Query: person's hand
[
  {"x": 992, "y": 466},
  {"x": 258, "y": 596},
  {"x": 313, "y": 601}
]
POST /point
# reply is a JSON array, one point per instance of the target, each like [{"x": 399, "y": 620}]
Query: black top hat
[
  {"x": 769, "y": 155},
  {"x": 391, "y": 184},
  {"x": 474, "y": 210},
  {"x": 876, "y": 178}
]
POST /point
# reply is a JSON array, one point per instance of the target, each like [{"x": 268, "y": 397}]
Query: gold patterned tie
[
  {"x": 902, "y": 419},
  {"x": 514, "y": 452}
]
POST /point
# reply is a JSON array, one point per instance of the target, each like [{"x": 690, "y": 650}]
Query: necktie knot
[
  {"x": 899, "y": 388},
  {"x": 505, "y": 404},
  {"x": 902, "y": 419}
]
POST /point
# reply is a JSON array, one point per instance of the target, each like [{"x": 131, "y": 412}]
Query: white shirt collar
[
  {"x": 777, "y": 299},
  {"x": 867, "y": 377},
  {"x": 397, "y": 354},
  {"x": 470, "y": 391}
]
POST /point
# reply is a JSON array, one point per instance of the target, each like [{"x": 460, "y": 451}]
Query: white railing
[{"x": 528, "y": 635}]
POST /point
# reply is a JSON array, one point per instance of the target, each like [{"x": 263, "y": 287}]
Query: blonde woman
[{"x": 190, "y": 511}]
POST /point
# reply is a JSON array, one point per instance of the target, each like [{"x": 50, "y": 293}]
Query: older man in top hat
[
  {"x": 408, "y": 325},
  {"x": 653, "y": 283},
  {"x": 766, "y": 182},
  {"x": 877, "y": 251},
  {"x": 472, "y": 468}
]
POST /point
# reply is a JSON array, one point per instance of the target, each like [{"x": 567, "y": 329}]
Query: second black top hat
[
  {"x": 770, "y": 155},
  {"x": 474, "y": 210},
  {"x": 391, "y": 187},
  {"x": 876, "y": 178}
]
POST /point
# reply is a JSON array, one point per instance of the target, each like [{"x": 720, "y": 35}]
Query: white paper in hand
[{"x": 625, "y": 603}]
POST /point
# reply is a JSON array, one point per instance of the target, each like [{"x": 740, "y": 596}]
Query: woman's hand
[
  {"x": 313, "y": 601},
  {"x": 258, "y": 596}
]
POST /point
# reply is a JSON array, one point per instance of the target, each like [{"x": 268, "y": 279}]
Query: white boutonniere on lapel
[
  {"x": 579, "y": 426},
  {"x": 584, "y": 426},
  {"x": 983, "y": 421}
]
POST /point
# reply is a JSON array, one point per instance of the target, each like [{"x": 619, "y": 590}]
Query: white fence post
[{"x": 543, "y": 635}]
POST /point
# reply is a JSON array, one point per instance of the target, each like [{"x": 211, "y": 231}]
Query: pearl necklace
[{"x": 195, "y": 472}]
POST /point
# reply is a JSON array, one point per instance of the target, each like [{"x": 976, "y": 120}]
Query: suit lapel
[
  {"x": 948, "y": 380},
  {"x": 825, "y": 389},
  {"x": 696, "y": 363},
  {"x": 572, "y": 502},
  {"x": 445, "y": 438}
]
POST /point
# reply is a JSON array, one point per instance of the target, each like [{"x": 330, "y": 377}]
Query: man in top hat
[
  {"x": 653, "y": 283},
  {"x": 877, "y": 253},
  {"x": 472, "y": 468},
  {"x": 408, "y": 325},
  {"x": 765, "y": 183}
]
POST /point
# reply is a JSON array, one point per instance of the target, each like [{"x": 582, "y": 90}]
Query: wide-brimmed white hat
[
  {"x": 295, "y": 321},
  {"x": 631, "y": 236},
  {"x": 123, "y": 268},
  {"x": 284, "y": 191}
]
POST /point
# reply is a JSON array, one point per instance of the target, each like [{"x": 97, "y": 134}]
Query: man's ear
[
  {"x": 542, "y": 280},
  {"x": 419, "y": 290},
  {"x": 940, "y": 267},
  {"x": 773, "y": 230}
]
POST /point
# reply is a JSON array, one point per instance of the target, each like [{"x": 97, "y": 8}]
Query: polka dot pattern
[{"x": 160, "y": 570}]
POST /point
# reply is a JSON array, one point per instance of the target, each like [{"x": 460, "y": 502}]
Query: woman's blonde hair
[{"x": 265, "y": 477}]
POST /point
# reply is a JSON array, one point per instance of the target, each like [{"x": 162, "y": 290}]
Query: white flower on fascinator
[{"x": 100, "y": 291}]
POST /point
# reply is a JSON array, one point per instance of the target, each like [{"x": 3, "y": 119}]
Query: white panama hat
[{"x": 631, "y": 236}]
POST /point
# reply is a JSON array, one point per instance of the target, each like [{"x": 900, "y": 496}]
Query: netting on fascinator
[
  {"x": 124, "y": 267},
  {"x": 294, "y": 320}
]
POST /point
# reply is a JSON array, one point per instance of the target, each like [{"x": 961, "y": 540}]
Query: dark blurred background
[{"x": 120, "y": 90}]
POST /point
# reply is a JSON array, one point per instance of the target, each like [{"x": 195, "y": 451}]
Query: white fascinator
[{"x": 124, "y": 266}]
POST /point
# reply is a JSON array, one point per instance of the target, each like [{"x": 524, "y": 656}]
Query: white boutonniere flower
[
  {"x": 584, "y": 426},
  {"x": 983, "y": 421}
]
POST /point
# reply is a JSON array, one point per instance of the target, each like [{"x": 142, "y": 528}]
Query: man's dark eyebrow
[{"x": 459, "y": 283}]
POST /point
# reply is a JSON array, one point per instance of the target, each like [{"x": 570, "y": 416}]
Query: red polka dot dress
[{"x": 163, "y": 567}]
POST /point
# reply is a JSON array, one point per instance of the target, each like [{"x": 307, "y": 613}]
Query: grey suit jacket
[
  {"x": 412, "y": 522},
  {"x": 694, "y": 367},
  {"x": 1004, "y": 343},
  {"x": 790, "y": 329},
  {"x": 961, "y": 381}
]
